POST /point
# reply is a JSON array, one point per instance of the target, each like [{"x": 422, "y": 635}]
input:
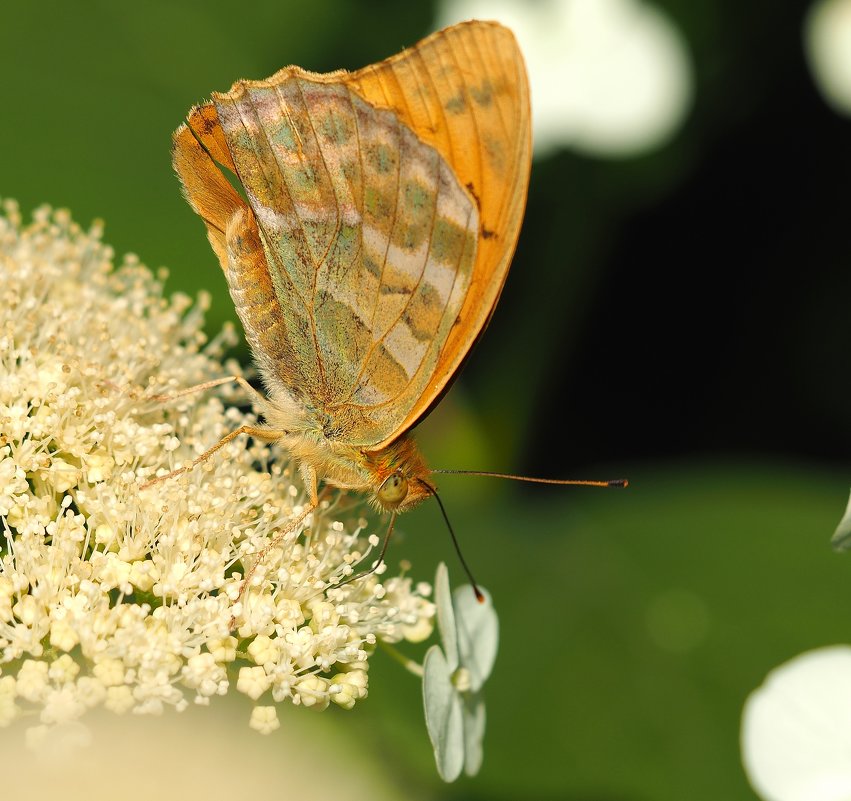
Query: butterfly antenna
[
  {"x": 479, "y": 596},
  {"x": 614, "y": 482}
]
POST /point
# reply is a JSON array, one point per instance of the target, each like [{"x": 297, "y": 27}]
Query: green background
[{"x": 679, "y": 319}]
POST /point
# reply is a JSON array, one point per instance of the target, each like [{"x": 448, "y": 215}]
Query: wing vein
[
  {"x": 317, "y": 264},
  {"x": 379, "y": 75},
  {"x": 383, "y": 337}
]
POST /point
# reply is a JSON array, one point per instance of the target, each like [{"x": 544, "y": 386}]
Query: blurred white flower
[
  {"x": 796, "y": 729},
  {"x": 454, "y": 676},
  {"x": 608, "y": 77},
  {"x": 199, "y": 755},
  {"x": 827, "y": 44},
  {"x": 121, "y": 597},
  {"x": 841, "y": 539}
]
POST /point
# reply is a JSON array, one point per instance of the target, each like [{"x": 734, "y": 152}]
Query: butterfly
[{"x": 381, "y": 212}]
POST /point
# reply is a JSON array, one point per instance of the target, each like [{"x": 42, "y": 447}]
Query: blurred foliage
[
  {"x": 633, "y": 625},
  {"x": 690, "y": 304}
]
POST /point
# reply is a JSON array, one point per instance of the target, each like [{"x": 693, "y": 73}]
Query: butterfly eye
[{"x": 394, "y": 489}]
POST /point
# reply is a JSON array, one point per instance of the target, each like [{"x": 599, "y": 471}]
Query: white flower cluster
[{"x": 134, "y": 598}]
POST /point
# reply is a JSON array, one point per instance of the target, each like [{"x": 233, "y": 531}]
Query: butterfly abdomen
[{"x": 256, "y": 301}]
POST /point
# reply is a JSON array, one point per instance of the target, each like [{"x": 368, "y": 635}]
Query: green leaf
[
  {"x": 443, "y": 715},
  {"x": 841, "y": 539}
]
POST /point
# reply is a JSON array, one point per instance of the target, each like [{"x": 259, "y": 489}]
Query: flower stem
[{"x": 409, "y": 664}]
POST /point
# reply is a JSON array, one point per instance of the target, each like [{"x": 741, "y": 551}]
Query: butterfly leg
[
  {"x": 266, "y": 434},
  {"x": 311, "y": 481},
  {"x": 258, "y": 397}
]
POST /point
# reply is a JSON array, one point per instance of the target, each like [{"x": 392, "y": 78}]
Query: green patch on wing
[
  {"x": 381, "y": 158},
  {"x": 456, "y": 104},
  {"x": 377, "y": 203},
  {"x": 284, "y": 135},
  {"x": 371, "y": 266},
  {"x": 417, "y": 196},
  {"x": 335, "y": 128},
  {"x": 417, "y": 216},
  {"x": 346, "y": 247},
  {"x": 343, "y": 342},
  {"x": 483, "y": 95},
  {"x": 304, "y": 178},
  {"x": 448, "y": 241}
]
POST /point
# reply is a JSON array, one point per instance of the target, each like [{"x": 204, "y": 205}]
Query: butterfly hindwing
[
  {"x": 369, "y": 244},
  {"x": 465, "y": 91}
]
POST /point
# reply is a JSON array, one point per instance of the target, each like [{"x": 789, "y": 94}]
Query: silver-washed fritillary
[{"x": 383, "y": 210}]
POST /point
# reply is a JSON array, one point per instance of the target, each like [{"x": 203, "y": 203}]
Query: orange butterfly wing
[
  {"x": 465, "y": 91},
  {"x": 364, "y": 346}
]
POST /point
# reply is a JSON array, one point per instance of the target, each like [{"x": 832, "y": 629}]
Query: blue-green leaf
[
  {"x": 446, "y": 616},
  {"x": 474, "y": 734},
  {"x": 443, "y": 715},
  {"x": 478, "y": 634}
]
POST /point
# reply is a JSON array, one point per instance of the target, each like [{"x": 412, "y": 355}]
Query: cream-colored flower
[
  {"x": 349, "y": 687},
  {"x": 133, "y": 597},
  {"x": 264, "y": 719}
]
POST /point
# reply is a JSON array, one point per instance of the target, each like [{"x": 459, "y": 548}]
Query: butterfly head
[
  {"x": 399, "y": 493},
  {"x": 398, "y": 476}
]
